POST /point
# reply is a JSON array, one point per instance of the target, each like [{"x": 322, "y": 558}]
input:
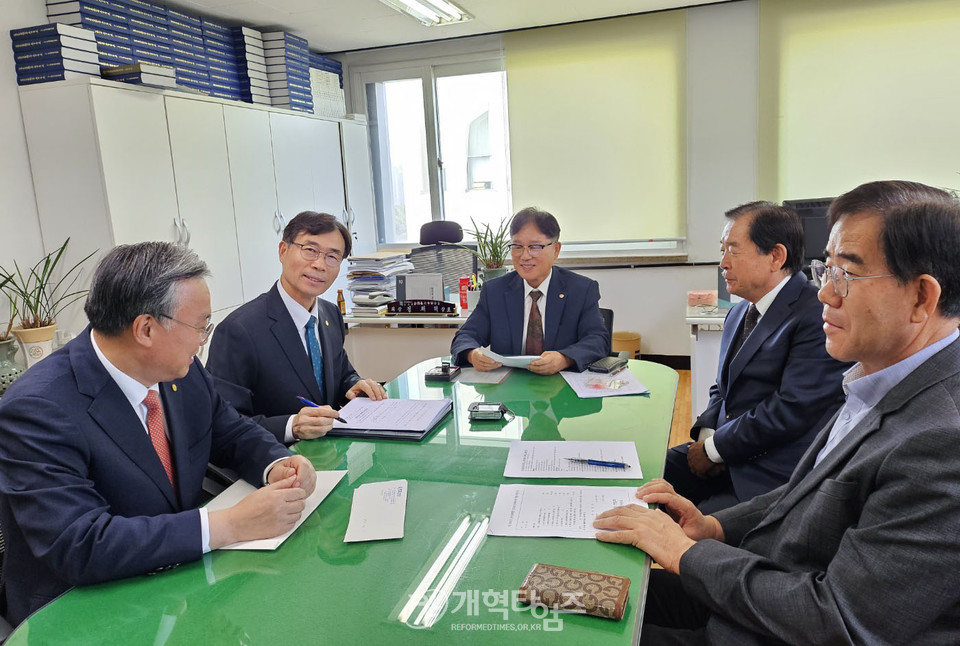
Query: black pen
[{"x": 304, "y": 400}]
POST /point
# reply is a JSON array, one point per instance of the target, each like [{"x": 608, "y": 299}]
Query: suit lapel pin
[
  {"x": 326, "y": 322},
  {"x": 174, "y": 387},
  {"x": 562, "y": 295}
]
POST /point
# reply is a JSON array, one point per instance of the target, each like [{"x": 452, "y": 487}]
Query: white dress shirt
[{"x": 300, "y": 318}]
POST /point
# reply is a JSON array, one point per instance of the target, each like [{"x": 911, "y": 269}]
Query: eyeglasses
[
  {"x": 332, "y": 258},
  {"x": 205, "y": 332},
  {"x": 532, "y": 249},
  {"x": 838, "y": 276}
]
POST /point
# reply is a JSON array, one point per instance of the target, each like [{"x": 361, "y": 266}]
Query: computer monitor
[{"x": 813, "y": 215}]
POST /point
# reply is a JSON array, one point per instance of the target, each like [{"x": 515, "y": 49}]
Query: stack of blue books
[
  {"x": 251, "y": 65},
  {"x": 142, "y": 74},
  {"x": 221, "y": 59},
  {"x": 288, "y": 70},
  {"x": 149, "y": 35},
  {"x": 189, "y": 53},
  {"x": 107, "y": 19},
  {"x": 326, "y": 82},
  {"x": 54, "y": 52}
]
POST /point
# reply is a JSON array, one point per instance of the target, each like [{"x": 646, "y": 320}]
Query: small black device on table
[
  {"x": 444, "y": 372},
  {"x": 487, "y": 410},
  {"x": 607, "y": 364}
]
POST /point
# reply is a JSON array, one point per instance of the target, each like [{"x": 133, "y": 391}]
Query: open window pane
[
  {"x": 399, "y": 155},
  {"x": 471, "y": 117}
]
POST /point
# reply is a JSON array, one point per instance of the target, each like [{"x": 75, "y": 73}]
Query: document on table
[
  {"x": 547, "y": 460},
  {"x": 411, "y": 415},
  {"x": 326, "y": 481},
  {"x": 377, "y": 511},
  {"x": 567, "y": 512},
  {"x": 474, "y": 376},
  {"x": 602, "y": 384},
  {"x": 519, "y": 361}
]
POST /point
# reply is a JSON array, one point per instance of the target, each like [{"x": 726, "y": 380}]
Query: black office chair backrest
[
  {"x": 607, "y": 316},
  {"x": 447, "y": 259},
  {"x": 440, "y": 231}
]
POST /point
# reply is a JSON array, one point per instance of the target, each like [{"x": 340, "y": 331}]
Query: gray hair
[{"x": 139, "y": 279}]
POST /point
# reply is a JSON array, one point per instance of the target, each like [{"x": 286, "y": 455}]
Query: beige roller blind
[
  {"x": 853, "y": 92},
  {"x": 597, "y": 125}
]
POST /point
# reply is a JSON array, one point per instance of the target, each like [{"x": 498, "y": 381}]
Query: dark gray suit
[{"x": 864, "y": 548}]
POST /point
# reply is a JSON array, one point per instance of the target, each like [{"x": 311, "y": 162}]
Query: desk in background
[
  {"x": 317, "y": 589},
  {"x": 706, "y": 327},
  {"x": 380, "y": 350}
]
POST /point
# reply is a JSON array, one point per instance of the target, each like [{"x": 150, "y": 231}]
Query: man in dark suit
[
  {"x": 288, "y": 343},
  {"x": 104, "y": 445},
  {"x": 862, "y": 545},
  {"x": 776, "y": 385},
  {"x": 538, "y": 309}
]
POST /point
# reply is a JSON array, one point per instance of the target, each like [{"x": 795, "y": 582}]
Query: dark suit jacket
[
  {"x": 771, "y": 399},
  {"x": 83, "y": 495},
  {"x": 864, "y": 548},
  {"x": 260, "y": 366},
  {"x": 574, "y": 326}
]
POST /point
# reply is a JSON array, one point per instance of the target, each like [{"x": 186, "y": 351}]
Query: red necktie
[
  {"x": 157, "y": 434},
  {"x": 534, "y": 327}
]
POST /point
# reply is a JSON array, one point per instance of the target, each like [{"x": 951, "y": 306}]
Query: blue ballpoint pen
[
  {"x": 307, "y": 402},
  {"x": 600, "y": 463}
]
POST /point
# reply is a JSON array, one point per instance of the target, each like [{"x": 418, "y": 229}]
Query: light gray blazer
[{"x": 864, "y": 548}]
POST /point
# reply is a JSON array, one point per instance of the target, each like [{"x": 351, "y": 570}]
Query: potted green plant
[
  {"x": 38, "y": 294},
  {"x": 493, "y": 247}
]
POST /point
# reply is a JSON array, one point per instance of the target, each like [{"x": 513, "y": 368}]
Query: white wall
[{"x": 20, "y": 237}]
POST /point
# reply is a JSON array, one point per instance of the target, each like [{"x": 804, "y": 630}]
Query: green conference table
[{"x": 317, "y": 589}]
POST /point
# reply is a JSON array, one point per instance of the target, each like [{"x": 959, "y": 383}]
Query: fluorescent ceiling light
[{"x": 430, "y": 12}]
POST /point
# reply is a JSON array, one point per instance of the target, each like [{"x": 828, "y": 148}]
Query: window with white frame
[{"x": 438, "y": 137}]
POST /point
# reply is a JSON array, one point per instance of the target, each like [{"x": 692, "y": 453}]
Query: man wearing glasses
[
  {"x": 776, "y": 385},
  {"x": 539, "y": 309},
  {"x": 104, "y": 445},
  {"x": 862, "y": 544},
  {"x": 287, "y": 343}
]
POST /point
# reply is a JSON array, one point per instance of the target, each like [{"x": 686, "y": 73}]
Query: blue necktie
[{"x": 313, "y": 350}]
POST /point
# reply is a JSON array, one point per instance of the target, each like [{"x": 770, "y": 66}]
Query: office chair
[
  {"x": 439, "y": 256},
  {"x": 607, "y": 316}
]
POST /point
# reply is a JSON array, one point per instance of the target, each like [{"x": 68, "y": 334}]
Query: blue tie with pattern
[{"x": 313, "y": 350}]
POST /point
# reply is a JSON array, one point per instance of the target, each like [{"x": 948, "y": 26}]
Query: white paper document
[
  {"x": 326, "y": 481},
  {"x": 602, "y": 384},
  {"x": 549, "y": 460},
  {"x": 567, "y": 512},
  {"x": 474, "y": 376},
  {"x": 519, "y": 361},
  {"x": 393, "y": 414},
  {"x": 377, "y": 511}
]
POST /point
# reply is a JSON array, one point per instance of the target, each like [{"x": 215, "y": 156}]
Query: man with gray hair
[
  {"x": 862, "y": 544},
  {"x": 104, "y": 445}
]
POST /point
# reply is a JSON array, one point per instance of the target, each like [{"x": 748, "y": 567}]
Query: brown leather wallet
[{"x": 575, "y": 591}]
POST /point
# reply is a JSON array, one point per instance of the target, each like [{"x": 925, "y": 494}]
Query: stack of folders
[
  {"x": 372, "y": 281},
  {"x": 142, "y": 74},
  {"x": 221, "y": 58},
  {"x": 288, "y": 70},
  {"x": 251, "y": 65},
  {"x": 107, "y": 20},
  {"x": 54, "y": 52},
  {"x": 326, "y": 85}
]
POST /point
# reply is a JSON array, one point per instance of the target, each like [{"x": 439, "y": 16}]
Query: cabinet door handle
[
  {"x": 178, "y": 232},
  {"x": 276, "y": 222},
  {"x": 186, "y": 230}
]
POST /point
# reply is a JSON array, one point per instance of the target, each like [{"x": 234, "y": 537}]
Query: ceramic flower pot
[
  {"x": 9, "y": 370},
  {"x": 37, "y": 342}
]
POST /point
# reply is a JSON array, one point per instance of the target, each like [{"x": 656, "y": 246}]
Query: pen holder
[{"x": 472, "y": 299}]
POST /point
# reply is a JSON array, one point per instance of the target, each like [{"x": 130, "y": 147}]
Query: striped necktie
[
  {"x": 158, "y": 435},
  {"x": 534, "y": 344}
]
